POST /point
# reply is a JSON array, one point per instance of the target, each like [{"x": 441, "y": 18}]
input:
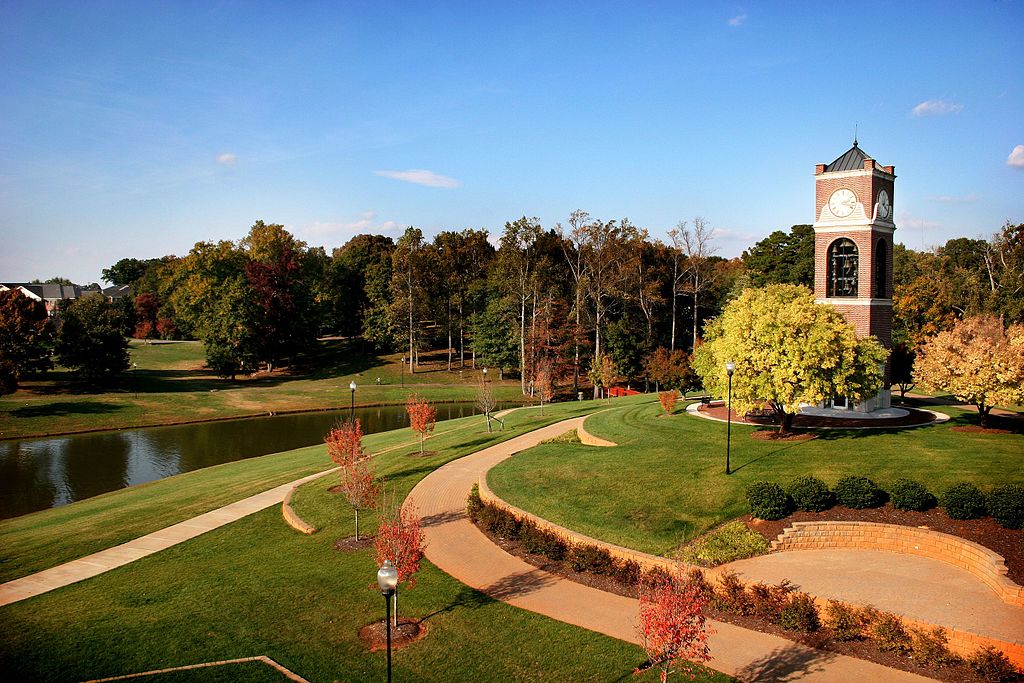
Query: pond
[{"x": 36, "y": 474}]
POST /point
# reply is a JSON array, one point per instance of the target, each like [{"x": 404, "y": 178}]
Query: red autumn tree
[
  {"x": 358, "y": 487},
  {"x": 146, "y": 307},
  {"x": 400, "y": 539},
  {"x": 671, "y": 624},
  {"x": 422, "y": 417},
  {"x": 345, "y": 443},
  {"x": 668, "y": 400}
]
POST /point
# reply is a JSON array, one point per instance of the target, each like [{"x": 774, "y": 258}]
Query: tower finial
[{"x": 855, "y": 135}]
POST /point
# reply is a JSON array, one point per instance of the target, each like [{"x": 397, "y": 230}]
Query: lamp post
[
  {"x": 352, "y": 403},
  {"x": 485, "y": 374},
  {"x": 730, "y": 368},
  {"x": 387, "y": 579},
  {"x": 403, "y": 372}
]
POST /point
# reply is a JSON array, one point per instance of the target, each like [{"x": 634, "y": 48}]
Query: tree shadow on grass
[
  {"x": 786, "y": 664},
  {"x": 467, "y": 597},
  {"x": 65, "y": 408}
]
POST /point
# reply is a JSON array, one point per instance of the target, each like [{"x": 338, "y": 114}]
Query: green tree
[
  {"x": 788, "y": 351},
  {"x": 25, "y": 338},
  {"x": 127, "y": 271},
  {"x": 783, "y": 258},
  {"x": 494, "y": 335},
  {"x": 408, "y": 293},
  {"x": 91, "y": 341},
  {"x": 977, "y": 361}
]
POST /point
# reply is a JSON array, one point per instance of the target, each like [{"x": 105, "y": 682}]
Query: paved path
[
  {"x": 105, "y": 560},
  {"x": 111, "y": 558},
  {"x": 916, "y": 587},
  {"x": 461, "y": 550}
]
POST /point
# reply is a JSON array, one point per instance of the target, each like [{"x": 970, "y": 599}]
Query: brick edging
[
  {"x": 982, "y": 563},
  {"x": 290, "y": 516}
]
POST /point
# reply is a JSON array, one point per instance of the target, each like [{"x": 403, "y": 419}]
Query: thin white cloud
[
  {"x": 907, "y": 221},
  {"x": 738, "y": 19},
  {"x": 936, "y": 108},
  {"x": 367, "y": 223},
  {"x": 1016, "y": 158},
  {"x": 420, "y": 177},
  {"x": 226, "y": 159},
  {"x": 953, "y": 199}
]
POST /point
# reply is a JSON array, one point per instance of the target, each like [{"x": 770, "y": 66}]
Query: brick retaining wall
[
  {"x": 982, "y": 563},
  {"x": 800, "y": 537}
]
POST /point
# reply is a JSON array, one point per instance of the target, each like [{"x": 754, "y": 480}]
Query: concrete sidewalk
[
  {"x": 461, "y": 550},
  {"x": 111, "y": 558}
]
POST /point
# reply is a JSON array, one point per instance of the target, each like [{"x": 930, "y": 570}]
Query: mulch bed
[
  {"x": 375, "y": 635},
  {"x": 349, "y": 544},
  {"x": 772, "y": 435},
  {"x": 913, "y": 418},
  {"x": 820, "y": 640},
  {"x": 1009, "y": 543}
]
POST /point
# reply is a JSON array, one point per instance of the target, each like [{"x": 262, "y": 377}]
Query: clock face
[
  {"x": 842, "y": 203},
  {"x": 884, "y": 205}
]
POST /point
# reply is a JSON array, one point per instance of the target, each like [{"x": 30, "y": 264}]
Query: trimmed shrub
[
  {"x": 858, "y": 493},
  {"x": 931, "y": 648},
  {"x": 1006, "y": 505},
  {"x": 846, "y": 622},
  {"x": 810, "y": 494},
  {"x": 730, "y": 595},
  {"x": 541, "y": 542},
  {"x": 889, "y": 634},
  {"x": 767, "y": 602},
  {"x": 590, "y": 558},
  {"x": 992, "y": 665},
  {"x": 732, "y": 541},
  {"x": 474, "y": 505},
  {"x": 800, "y": 614},
  {"x": 906, "y": 494},
  {"x": 767, "y": 500},
  {"x": 963, "y": 501},
  {"x": 500, "y": 522},
  {"x": 626, "y": 572}
]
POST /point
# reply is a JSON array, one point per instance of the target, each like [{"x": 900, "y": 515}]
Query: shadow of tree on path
[
  {"x": 786, "y": 664},
  {"x": 442, "y": 518},
  {"x": 518, "y": 585}
]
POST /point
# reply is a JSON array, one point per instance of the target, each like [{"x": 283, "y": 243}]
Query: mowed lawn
[
  {"x": 256, "y": 587},
  {"x": 170, "y": 384},
  {"x": 665, "y": 483}
]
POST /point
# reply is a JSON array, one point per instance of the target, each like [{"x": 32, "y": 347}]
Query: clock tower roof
[{"x": 851, "y": 160}]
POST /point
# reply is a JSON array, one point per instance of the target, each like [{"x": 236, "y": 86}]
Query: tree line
[{"x": 584, "y": 302}]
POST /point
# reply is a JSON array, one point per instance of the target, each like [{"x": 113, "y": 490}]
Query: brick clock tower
[{"x": 853, "y": 248}]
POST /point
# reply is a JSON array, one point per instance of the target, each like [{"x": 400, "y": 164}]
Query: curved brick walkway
[{"x": 461, "y": 550}]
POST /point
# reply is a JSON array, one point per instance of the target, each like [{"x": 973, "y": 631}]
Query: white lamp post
[
  {"x": 352, "y": 403},
  {"x": 387, "y": 579}
]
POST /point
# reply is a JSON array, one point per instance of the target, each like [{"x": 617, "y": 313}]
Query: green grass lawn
[
  {"x": 665, "y": 483},
  {"x": 49, "y": 537},
  {"x": 257, "y": 587},
  {"x": 171, "y": 385}
]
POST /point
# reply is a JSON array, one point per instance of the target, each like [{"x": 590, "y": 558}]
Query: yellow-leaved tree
[
  {"x": 788, "y": 351},
  {"x": 977, "y": 361}
]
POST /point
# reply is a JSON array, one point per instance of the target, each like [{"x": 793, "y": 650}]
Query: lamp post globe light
[
  {"x": 403, "y": 372},
  {"x": 387, "y": 579},
  {"x": 730, "y": 368},
  {"x": 352, "y": 402}
]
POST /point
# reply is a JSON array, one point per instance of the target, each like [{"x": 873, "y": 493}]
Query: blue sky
[{"x": 139, "y": 128}]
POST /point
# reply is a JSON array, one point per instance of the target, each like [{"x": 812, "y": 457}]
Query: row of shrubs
[
  {"x": 792, "y": 610},
  {"x": 779, "y": 604},
  {"x": 579, "y": 557},
  {"x": 769, "y": 500}
]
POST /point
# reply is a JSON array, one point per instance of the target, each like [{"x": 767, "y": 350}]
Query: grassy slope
[
  {"x": 257, "y": 587},
  {"x": 46, "y": 538},
  {"x": 666, "y": 481},
  {"x": 171, "y": 385}
]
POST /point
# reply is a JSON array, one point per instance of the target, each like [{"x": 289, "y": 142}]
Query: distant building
[
  {"x": 853, "y": 248},
  {"x": 51, "y": 295}
]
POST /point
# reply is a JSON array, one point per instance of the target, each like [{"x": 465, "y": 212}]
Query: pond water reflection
[{"x": 36, "y": 474}]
